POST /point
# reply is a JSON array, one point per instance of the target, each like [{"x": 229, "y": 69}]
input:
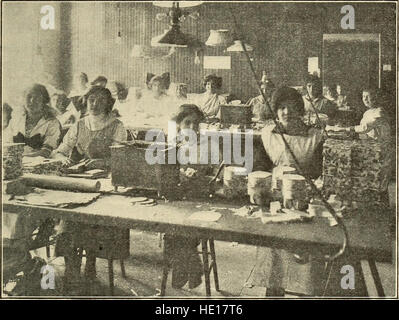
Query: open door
[{"x": 353, "y": 61}]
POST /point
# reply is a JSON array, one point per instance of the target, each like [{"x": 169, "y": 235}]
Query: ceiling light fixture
[{"x": 173, "y": 37}]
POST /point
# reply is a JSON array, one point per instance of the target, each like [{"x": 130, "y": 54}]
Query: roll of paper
[{"x": 61, "y": 183}]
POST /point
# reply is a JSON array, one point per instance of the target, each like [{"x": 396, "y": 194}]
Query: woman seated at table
[
  {"x": 89, "y": 138},
  {"x": 210, "y": 101},
  {"x": 77, "y": 107},
  {"x": 39, "y": 129},
  {"x": 156, "y": 107},
  {"x": 260, "y": 107},
  {"x": 65, "y": 111},
  {"x": 280, "y": 270},
  {"x": 329, "y": 93},
  {"x": 374, "y": 124},
  {"x": 315, "y": 101},
  {"x": 182, "y": 251},
  {"x": 178, "y": 91},
  {"x": 341, "y": 97}
]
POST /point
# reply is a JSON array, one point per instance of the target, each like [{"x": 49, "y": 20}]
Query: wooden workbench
[{"x": 370, "y": 236}]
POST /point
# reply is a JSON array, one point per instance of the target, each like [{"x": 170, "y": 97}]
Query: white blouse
[
  {"x": 303, "y": 147},
  {"x": 375, "y": 125}
]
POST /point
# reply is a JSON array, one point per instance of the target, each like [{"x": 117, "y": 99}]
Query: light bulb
[
  {"x": 118, "y": 39},
  {"x": 197, "y": 58},
  {"x": 264, "y": 76}
]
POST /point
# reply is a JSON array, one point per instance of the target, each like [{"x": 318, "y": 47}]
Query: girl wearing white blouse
[
  {"x": 374, "y": 123},
  {"x": 280, "y": 270}
]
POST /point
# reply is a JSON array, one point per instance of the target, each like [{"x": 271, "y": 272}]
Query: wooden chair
[
  {"x": 114, "y": 246},
  {"x": 207, "y": 267}
]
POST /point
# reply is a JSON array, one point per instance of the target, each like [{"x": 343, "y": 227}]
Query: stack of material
[
  {"x": 40, "y": 165},
  {"x": 356, "y": 170},
  {"x": 295, "y": 192},
  {"x": 234, "y": 182},
  {"x": 12, "y": 160},
  {"x": 259, "y": 187}
]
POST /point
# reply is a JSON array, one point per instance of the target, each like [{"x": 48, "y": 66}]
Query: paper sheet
[
  {"x": 215, "y": 62},
  {"x": 56, "y": 198}
]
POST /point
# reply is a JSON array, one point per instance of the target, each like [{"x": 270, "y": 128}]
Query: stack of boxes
[{"x": 356, "y": 170}]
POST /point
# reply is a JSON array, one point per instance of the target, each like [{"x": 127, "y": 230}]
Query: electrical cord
[{"x": 340, "y": 222}]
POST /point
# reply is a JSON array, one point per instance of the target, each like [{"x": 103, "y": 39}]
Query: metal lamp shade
[
  {"x": 172, "y": 37},
  {"x": 182, "y": 4},
  {"x": 218, "y": 38},
  {"x": 237, "y": 47}
]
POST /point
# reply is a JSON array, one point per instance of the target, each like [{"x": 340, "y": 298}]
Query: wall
[
  {"x": 284, "y": 36},
  {"x": 30, "y": 54}
]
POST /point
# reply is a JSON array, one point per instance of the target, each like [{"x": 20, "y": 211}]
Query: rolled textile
[{"x": 61, "y": 183}]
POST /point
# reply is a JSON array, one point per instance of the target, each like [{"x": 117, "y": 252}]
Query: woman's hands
[
  {"x": 95, "y": 164},
  {"x": 89, "y": 164},
  {"x": 337, "y": 128},
  {"x": 66, "y": 161}
]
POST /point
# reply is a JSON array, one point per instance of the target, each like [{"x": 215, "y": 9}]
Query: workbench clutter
[
  {"x": 356, "y": 170},
  {"x": 143, "y": 201},
  {"x": 41, "y": 165},
  {"x": 12, "y": 160}
]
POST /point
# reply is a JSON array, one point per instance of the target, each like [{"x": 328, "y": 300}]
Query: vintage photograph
[{"x": 199, "y": 149}]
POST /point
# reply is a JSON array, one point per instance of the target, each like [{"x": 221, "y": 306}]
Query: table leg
[
  {"x": 111, "y": 276},
  {"x": 214, "y": 266},
  {"x": 205, "y": 263},
  {"x": 123, "y": 270},
  {"x": 165, "y": 272},
  {"x": 376, "y": 278}
]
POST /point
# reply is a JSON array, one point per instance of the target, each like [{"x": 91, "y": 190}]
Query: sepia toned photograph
[{"x": 156, "y": 150}]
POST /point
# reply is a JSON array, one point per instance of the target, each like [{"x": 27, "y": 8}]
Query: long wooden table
[{"x": 370, "y": 235}]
